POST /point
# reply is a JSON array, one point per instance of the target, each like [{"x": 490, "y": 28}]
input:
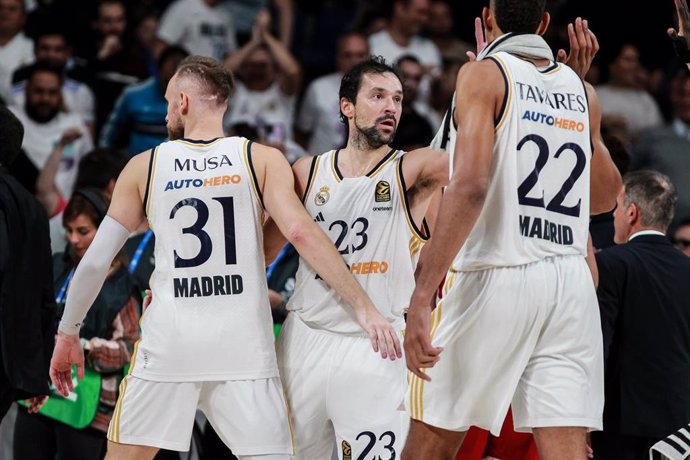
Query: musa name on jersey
[
  {"x": 537, "y": 205},
  {"x": 209, "y": 318},
  {"x": 368, "y": 220}
]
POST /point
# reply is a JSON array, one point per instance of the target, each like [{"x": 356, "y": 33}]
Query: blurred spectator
[
  {"x": 138, "y": 118},
  {"x": 45, "y": 124},
  {"x": 116, "y": 60},
  {"x": 643, "y": 296},
  {"x": 100, "y": 169},
  {"x": 665, "y": 149},
  {"x": 440, "y": 30},
  {"x": 624, "y": 94},
  {"x": 245, "y": 11},
  {"x": 15, "y": 49},
  {"x": 203, "y": 27},
  {"x": 265, "y": 95},
  {"x": 443, "y": 87},
  {"x": 27, "y": 304},
  {"x": 414, "y": 129},
  {"x": 318, "y": 127},
  {"x": 107, "y": 335},
  {"x": 52, "y": 46},
  {"x": 681, "y": 237},
  {"x": 401, "y": 36},
  {"x": 145, "y": 31}
]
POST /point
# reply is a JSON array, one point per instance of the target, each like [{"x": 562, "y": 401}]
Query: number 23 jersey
[
  {"x": 368, "y": 220},
  {"x": 537, "y": 205},
  {"x": 209, "y": 318}
]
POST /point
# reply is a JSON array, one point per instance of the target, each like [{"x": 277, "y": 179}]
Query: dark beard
[
  {"x": 176, "y": 132},
  {"x": 40, "y": 117},
  {"x": 371, "y": 136}
]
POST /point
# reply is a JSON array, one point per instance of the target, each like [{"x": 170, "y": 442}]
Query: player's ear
[
  {"x": 184, "y": 103},
  {"x": 544, "y": 24},
  {"x": 347, "y": 107}
]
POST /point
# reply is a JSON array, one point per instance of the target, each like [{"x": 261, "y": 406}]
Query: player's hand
[
  {"x": 479, "y": 37},
  {"x": 583, "y": 47},
  {"x": 69, "y": 136},
  {"x": 590, "y": 451},
  {"x": 67, "y": 352},
  {"x": 419, "y": 352},
  {"x": 383, "y": 338},
  {"x": 147, "y": 300},
  {"x": 678, "y": 36},
  {"x": 35, "y": 403}
]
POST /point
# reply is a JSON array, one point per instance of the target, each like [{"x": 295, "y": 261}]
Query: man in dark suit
[
  {"x": 27, "y": 302},
  {"x": 644, "y": 297}
]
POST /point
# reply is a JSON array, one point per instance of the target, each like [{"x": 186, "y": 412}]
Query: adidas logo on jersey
[{"x": 319, "y": 218}]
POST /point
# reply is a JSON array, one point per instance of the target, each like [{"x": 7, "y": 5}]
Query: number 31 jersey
[
  {"x": 368, "y": 220},
  {"x": 537, "y": 204},
  {"x": 209, "y": 318}
]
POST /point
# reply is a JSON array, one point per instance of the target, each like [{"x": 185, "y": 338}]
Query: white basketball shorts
[
  {"x": 529, "y": 336},
  {"x": 250, "y": 416},
  {"x": 341, "y": 392}
]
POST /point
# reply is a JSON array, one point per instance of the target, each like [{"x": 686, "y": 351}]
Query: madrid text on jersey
[
  {"x": 206, "y": 286},
  {"x": 536, "y": 227}
]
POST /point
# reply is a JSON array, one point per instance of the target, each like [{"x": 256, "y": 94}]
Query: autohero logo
[
  {"x": 383, "y": 191},
  {"x": 323, "y": 196}
]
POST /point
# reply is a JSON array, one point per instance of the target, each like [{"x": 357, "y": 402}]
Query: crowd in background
[{"x": 87, "y": 80}]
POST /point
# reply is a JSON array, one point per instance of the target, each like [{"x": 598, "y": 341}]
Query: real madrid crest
[{"x": 323, "y": 196}]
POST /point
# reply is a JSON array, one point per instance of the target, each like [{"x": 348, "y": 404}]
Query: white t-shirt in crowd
[
  {"x": 320, "y": 114},
  {"x": 40, "y": 139},
  {"x": 17, "y": 52},
  {"x": 637, "y": 107},
  {"x": 77, "y": 96},
  {"x": 199, "y": 28},
  {"x": 271, "y": 110}
]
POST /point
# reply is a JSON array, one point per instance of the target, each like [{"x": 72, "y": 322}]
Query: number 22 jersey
[{"x": 209, "y": 318}]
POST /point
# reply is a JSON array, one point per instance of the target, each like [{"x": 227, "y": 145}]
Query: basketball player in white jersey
[
  {"x": 371, "y": 201},
  {"x": 207, "y": 336},
  {"x": 519, "y": 322}
]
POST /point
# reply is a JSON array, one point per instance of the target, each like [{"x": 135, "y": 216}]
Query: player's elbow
[{"x": 297, "y": 235}]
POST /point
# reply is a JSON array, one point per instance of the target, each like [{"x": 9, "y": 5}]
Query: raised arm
[
  {"x": 479, "y": 90},
  {"x": 277, "y": 185},
  {"x": 125, "y": 214},
  {"x": 680, "y": 42},
  {"x": 46, "y": 189},
  {"x": 605, "y": 180}
]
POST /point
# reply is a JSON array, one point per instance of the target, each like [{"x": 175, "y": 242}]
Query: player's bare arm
[
  {"x": 277, "y": 185},
  {"x": 125, "y": 214},
  {"x": 605, "y": 180},
  {"x": 425, "y": 172},
  {"x": 679, "y": 38},
  {"x": 274, "y": 240},
  {"x": 479, "y": 90}
]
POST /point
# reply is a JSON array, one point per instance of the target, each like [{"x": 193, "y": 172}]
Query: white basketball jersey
[
  {"x": 537, "y": 204},
  {"x": 209, "y": 318},
  {"x": 368, "y": 220}
]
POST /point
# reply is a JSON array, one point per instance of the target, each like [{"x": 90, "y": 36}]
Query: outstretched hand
[
  {"x": 419, "y": 352},
  {"x": 678, "y": 36},
  {"x": 68, "y": 351},
  {"x": 583, "y": 47},
  {"x": 383, "y": 338}
]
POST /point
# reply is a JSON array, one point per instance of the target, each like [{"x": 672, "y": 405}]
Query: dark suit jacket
[
  {"x": 27, "y": 302},
  {"x": 644, "y": 297}
]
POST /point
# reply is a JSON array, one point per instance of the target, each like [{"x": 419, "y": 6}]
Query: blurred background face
[
  {"x": 259, "y": 67},
  {"x": 52, "y": 48},
  {"x": 43, "y": 96},
  {"x": 412, "y": 15},
  {"x": 146, "y": 31},
  {"x": 681, "y": 239},
  {"x": 111, "y": 19},
  {"x": 680, "y": 98},
  {"x": 352, "y": 50},
  {"x": 625, "y": 69},
  {"x": 440, "y": 20},
  {"x": 12, "y": 17},
  {"x": 412, "y": 75},
  {"x": 80, "y": 234}
]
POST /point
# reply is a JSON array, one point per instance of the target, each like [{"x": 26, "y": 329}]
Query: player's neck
[
  {"x": 354, "y": 162},
  {"x": 204, "y": 129}
]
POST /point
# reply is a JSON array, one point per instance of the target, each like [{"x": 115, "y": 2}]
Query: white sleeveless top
[
  {"x": 210, "y": 317},
  {"x": 368, "y": 220},
  {"x": 537, "y": 204}
]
